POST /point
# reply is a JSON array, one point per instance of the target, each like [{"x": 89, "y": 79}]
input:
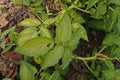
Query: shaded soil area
[{"x": 78, "y": 70}]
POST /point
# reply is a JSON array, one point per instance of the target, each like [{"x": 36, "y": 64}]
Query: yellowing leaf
[
  {"x": 63, "y": 29},
  {"x": 45, "y": 32},
  {"x": 36, "y": 46},
  {"x": 26, "y": 71},
  {"x": 52, "y": 57},
  {"x": 30, "y": 22},
  {"x": 83, "y": 32},
  {"x": 26, "y": 35}
]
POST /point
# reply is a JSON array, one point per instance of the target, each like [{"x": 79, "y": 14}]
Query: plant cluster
[{"x": 49, "y": 40}]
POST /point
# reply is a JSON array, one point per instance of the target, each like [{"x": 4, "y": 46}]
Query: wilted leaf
[
  {"x": 52, "y": 57},
  {"x": 36, "y": 46},
  {"x": 26, "y": 35},
  {"x": 91, "y": 3},
  {"x": 26, "y": 71},
  {"x": 56, "y": 76},
  {"x": 67, "y": 57},
  {"x": 63, "y": 29},
  {"x": 30, "y": 22}
]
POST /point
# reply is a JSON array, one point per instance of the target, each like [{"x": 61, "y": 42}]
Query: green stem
[
  {"x": 102, "y": 49},
  {"x": 90, "y": 69},
  {"x": 81, "y": 10},
  {"x": 84, "y": 59}
]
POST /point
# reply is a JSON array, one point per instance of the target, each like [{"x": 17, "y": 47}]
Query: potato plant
[{"x": 50, "y": 39}]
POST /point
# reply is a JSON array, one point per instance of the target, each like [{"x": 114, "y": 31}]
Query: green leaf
[
  {"x": 97, "y": 24},
  {"x": 45, "y": 32},
  {"x": 101, "y": 10},
  {"x": 118, "y": 22},
  {"x": 63, "y": 29},
  {"x": 67, "y": 58},
  {"x": 52, "y": 57},
  {"x": 75, "y": 16},
  {"x": 109, "y": 74},
  {"x": 26, "y": 71},
  {"x": 30, "y": 22},
  {"x": 36, "y": 46},
  {"x": 7, "y": 31},
  {"x": 111, "y": 18},
  {"x": 117, "y": 74},
  {"x": 45, "y": 75},
  {"x": 38, "y": 60},
  {"x": 116, "y": 52},
  {"x": 109, "y": 39},
  {"x": 56, "y": 76},
  {"x": 49, "y": 21},
  {"x": 91, "y": 3},
  {"x": 13, "y": 36},
  {"x": 117, "y": 41},
  {"x": 19, "y": 2},
  {"x": 110, "y": 64},
  {"x": 83, "y": 32},
  {"x": 74, "y": 40},
  {"x": 117, "y": 2},
  {"x": 7, "y": 79},
  {"x": 26, "y": 35}
]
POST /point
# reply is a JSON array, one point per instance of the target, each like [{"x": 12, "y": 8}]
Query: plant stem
[
  {"x": 102, "y": 49},
  {"x": 81, "y": 10},
  {"x": 84, "y": 59},
  {"x": 90, "y": 69}
]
